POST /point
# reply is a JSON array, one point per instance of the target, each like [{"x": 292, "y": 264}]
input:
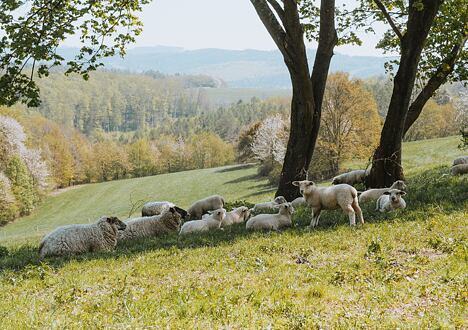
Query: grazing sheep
[
  {"x": 351, "y": 178},
  {"x": 330, "y": 198},
  {"x": 202, "y": 206},
  {"x": 237, "y": 215},
  {"x": 272, "y": 221},
  {"x": 374, "y": 194},
  {"x": 390, "y": 201},
  {"x": 459, "y": 169},
  {"x": 157, "y": 225},
  {"x": 269, "y": 206},
  {"x": 300, "y": 201},
  {"x": 460, "y": 160},
  {"x": 75, "y": 239},
  {"x": 155, "y": 208},
  {"x": 213, "y": 221}
]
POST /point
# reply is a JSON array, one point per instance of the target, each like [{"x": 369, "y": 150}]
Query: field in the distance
[{"x": 407, "y": 269}]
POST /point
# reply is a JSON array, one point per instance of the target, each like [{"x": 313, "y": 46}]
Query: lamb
[
  {"x": 351, "y": 178},
  {"x": 211, "y": 222},
  {"x": 300, "y": 201},
  {"x": 237, "y": 215},
  {"x": 330, "y": 198},
  {"x": 374, "y": 194},
  {"x": 76, "y": 239},
  {"x": 459, "y": 169},
  {"x": 391, "y": 200},
  {"x": 272, "y": 221},
  {"x": 269, "y": 206},
  {"x": 158, "y": 225},
  {"x": 155, "y": 208},
  {"x": 460, "y": 160},
  {"x": 202, "y": 206}
]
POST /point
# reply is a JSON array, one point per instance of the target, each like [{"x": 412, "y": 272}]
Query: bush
[{"x": 8, "y": 205}]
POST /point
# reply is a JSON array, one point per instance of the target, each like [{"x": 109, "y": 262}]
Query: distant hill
[{"x": 238, "y": 68}]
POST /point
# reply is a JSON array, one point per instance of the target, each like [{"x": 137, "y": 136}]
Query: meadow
[{"x": 402, "y": 270}]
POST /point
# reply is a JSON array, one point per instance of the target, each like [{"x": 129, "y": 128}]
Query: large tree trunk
[{"x": 386, "y": 162}]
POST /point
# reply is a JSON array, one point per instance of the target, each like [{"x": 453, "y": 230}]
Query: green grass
[{"x": 402, "y": 270}]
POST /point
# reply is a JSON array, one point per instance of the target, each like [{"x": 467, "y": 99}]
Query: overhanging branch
[{"x": 389, "y": 18}]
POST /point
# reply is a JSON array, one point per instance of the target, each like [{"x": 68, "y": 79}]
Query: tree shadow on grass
[
  {"x": 236, "y": 168},
  {"x": 429, "y": 193}
]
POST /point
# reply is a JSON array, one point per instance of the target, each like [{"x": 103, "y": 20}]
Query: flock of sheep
[{"x": 159, "y": 218}]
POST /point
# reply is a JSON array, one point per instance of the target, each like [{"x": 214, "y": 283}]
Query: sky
[{"x": 227, "y": 24}]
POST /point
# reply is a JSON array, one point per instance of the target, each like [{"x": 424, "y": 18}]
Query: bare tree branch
[{"x": 389, "y": 18}]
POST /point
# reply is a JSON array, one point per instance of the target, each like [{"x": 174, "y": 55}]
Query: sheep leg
[
  {"x": 315, "y": 217},
  {"x": 358, "y": 210},
  {"x": 351, "y": 214}
]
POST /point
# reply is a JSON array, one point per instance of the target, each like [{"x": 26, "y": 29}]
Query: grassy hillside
[{"x": 407, "y": 270}]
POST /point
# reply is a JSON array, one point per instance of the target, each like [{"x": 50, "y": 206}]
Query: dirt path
[{"x": 62, "y": 190}]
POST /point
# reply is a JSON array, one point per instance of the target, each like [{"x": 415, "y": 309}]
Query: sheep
[
  {"x": 157, "y": 225},
  {"x": 390, "y": 201},
  {"x": 76, "y": 239},
  {"x": 269, "y": 206},
  {"x": 202, "y": 206},
  {"x": 460, "y": 160},
  {"x": 351, "y": 178},
  {"x": 155, "y": 208},
  {"x": 211, "y": 222},
  {"x": 330, "y": 198},
  {"x": 459, "y": 169},
  {"x": 272, "y": 221},
  {"x": 374, "y": 194},
  {"x": 237, "y": 215},
  {"x": 300, "y": 201}
]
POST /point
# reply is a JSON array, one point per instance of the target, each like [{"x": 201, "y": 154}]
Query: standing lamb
[
  {"x": 213, "y": 221},
  {"x": 202, "y": 206},
  {"x": 330, "y": 198},
  {"x": 390, "y": 201},
  {"x": 460, "y": 160},
  {"x": 351, "y": 178},
  {"x": 75, "y": 239},
  {"x": 237, "y": 215},
  {"x": 155, "y": 208},
  {"x": 272, "y": 221},
  {"x": 374, "y": 194},
  {"x": 269, "y": 206},
  {"x": 153, "y": 226},
  {"x": 459, "y": 169}
]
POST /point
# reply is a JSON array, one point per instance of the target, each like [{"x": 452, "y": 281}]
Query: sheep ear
[
  {"x": 296, "y": 183},
  {"x": 402, "y": 193},
  {"x": 387, "y": 193},
  {"x": 172, "y": 210}
]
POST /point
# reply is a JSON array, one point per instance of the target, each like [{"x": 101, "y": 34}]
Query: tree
[
  {"x": 430, "y": 36},
  {"x": 142, "y": 158},
  {"x": 208, "y": 150},
  {"x": 269, "y": 141},
  {"x": 33, "y": 30},
  {"x": 283, "y": 23}
]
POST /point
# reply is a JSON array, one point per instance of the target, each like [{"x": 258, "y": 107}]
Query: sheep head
[
  {"x": 218, "y": 214},
  {"x": 305, "y": 187},
  {"x": 286, "y": 208},
  {"x": 395, "y": 195},
  {"x": 280, "y": 200}
]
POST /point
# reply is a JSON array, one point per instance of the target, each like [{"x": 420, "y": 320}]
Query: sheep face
[
  {"x": 305, "y": 186},
  {"x": 400, "y": 185},
  {"x": 395, "y": 195},
  {"x": 280, "y": 200},
  {"x": 245, "y": 213},
  {"x": 286, "y": 208},
  {"x": 336, "y": 181},
  {"x": 218, "y": 214},
  {"x": 116, "y": 223},
  {"x": 182, "y": 212}
]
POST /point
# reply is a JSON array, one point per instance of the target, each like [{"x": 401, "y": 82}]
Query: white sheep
[
  {"x": 272, "y": 221},
  {"x": 390, "y": 201},
  {"x": 157, "y": 225},
  {"x": 213, "y": 221},
  {"x": 155, "y": 208},
  {"x": 459, "y": 169},
  {"x": 237, "y": 215},
  {"x": 351, "y": 178},
  {"x": 300, "y": 201},
  {"x": 269, "y": 206},
  {"x": 75, "y": 239},
  {"x": 374, "y": 194},
  {"x": 330, "y": 198},
  {"x": 202, "y": 206},
  {"x": 460, "y": 160}
]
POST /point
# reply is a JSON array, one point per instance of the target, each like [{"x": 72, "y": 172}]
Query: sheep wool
[
  {"x": 202, "y": 206},
  {"x": 155, "y": 208},
  {"x": 272, "y": 221}
]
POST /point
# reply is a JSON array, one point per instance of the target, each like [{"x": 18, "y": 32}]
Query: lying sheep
[
  {"x": 269, "y": 206},
  {"x": 459, "y": 169},
  {"x": 300, "y": 201},
  {"x": 390, "y": 201},
  {"x": 202, "y": 206},
  {"x": 155, "y": 208},
  {"x": 75, "y": 239},
  {"x": 460, "y": 160},
  {"x": 330, "y": 198},
  {"x": 272, "y": 221},
  {"x": 237, "y": 215},
  {"x": 351, "y": 178},
  {"x": 213, "y": 221},
  {"x": 157, "y": 225},
  {"x": 374, "y": 194}
]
